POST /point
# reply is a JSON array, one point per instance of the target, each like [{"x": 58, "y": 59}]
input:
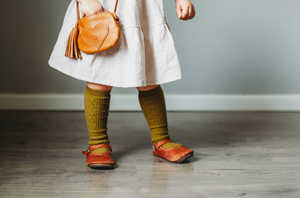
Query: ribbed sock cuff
[
  {"x": 160, "y": 138},
  {"x": 95, "y": 142},
  {"x": 97, "y": 93},
  {"x": 151, "y": 92}
]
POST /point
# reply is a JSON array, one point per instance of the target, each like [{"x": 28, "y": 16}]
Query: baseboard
[{"x": 175, "y": 102}]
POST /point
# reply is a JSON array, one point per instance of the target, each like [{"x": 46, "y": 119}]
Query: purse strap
[{"x": 78, "y": 12}]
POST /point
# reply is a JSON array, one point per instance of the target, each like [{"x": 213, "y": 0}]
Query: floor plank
[{"x": 237, "y": 154}]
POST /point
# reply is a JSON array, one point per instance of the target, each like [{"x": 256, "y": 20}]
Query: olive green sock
[
  {"x": 154, "y": 108},
  {"x": 96, "y": 105}
]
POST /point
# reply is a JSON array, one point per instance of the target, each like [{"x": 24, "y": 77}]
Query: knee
[
  {"x": 147, "y": 88},
  {"x": 99, "y": 87}
]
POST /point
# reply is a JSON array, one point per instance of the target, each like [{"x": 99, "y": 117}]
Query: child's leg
[
  {"x": 96, "y": 104},
  {"x": 152, "y": 102}
]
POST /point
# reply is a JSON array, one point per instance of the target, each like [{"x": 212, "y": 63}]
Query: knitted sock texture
[
  {"x": 154, "y": 108},
  {"x": 96, "y": 105}
]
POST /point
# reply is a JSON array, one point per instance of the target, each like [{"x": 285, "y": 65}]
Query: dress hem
[{"x": 82, "y": 78}]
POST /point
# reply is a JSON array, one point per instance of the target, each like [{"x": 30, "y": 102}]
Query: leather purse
[{"x": 94, "y": 33}]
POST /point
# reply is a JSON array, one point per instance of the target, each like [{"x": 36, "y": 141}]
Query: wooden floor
[{"x": 236, "y": 155}]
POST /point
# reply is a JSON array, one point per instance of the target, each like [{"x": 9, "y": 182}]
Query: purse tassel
[{"x": 72, "y": 50}]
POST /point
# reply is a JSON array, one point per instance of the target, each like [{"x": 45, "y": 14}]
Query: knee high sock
[
  {"x": 96, "y": 105},
  {"x": 153, "y": 105}
]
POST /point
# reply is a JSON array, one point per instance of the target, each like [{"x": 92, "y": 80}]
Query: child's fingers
[
  {"x": 185, "y": 10},
  {"x": 178, "y": 12},
  {"x": 101, "y": 9},
  {"x": 83, "y": 14},
  {"x": 191, "y": 13},
  {"x": 88, "y": 8},
  {"x": 185, "y": 13}
]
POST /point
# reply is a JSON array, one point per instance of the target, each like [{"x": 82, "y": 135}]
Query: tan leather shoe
[
  {"x": 176, "y": 155},
  {"x": 96, "y": 160}
]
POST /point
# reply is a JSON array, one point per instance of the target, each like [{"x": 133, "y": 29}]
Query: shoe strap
[
  {"x": 94, "y": 147},
  {"x": 159, "y": 144}
]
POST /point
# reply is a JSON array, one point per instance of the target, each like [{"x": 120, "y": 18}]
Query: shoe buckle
[{"x": 86, "y": 152}]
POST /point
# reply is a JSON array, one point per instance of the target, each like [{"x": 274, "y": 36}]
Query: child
[{"x": 144, "y": 57}]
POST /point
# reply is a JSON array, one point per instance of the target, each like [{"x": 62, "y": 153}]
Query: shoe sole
[
  {"x": 185, "y": 158},
  {"x": 189, "y": 155},
  {"x": 100, "y": 166}
]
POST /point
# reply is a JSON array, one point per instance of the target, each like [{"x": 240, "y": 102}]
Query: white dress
[{"x": 144, "y": 55}]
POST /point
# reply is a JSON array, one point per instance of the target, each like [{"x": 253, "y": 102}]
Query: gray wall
[{"x": 231, "y": 47}]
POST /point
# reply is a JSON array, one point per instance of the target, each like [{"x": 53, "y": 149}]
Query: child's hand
[
  {"x": 185, "y": 10},
  {"x": 89, "y": 7}
]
